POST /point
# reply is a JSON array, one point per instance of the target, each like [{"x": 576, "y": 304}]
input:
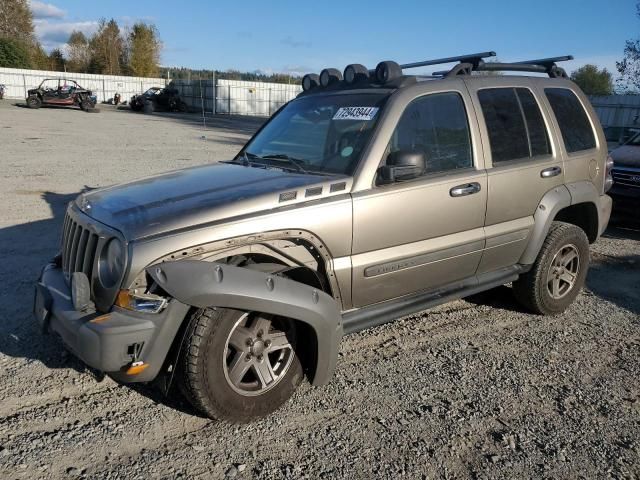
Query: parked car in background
[
  {"x": 626, "y": 179},
  {"x": 61, "y": 92},
  {"x": 157, "y": 98}
]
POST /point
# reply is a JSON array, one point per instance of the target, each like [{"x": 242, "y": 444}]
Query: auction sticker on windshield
[{"x": 356, "y": 113}]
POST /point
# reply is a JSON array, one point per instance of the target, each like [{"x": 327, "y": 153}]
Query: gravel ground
[{"x": 475, "y": 388}]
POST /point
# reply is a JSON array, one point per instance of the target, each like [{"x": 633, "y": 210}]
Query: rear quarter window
[{"x": 573, "y": 121}]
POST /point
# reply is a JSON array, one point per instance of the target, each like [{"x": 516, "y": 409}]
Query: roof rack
[
  {"x": 542, "y": 65},
  {"x": 473, "y": 58}
]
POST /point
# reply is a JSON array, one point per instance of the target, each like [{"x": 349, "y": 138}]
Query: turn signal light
[
  {"x": 136, "y": 368},
  {"x": 140, "y": 303}
]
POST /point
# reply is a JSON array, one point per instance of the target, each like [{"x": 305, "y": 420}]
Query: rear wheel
[
  {"x": 237, "y": 365},
  {"x": 559, "y": 272},
  {"x": 34, "y": 102},
  {"x": 86, "y": 105}
]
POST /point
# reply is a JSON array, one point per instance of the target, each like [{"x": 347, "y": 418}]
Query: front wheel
[
  {"x": 34, "y": 102},
  {"x": 239, "y": 366},
  {"x": 559, "y": 272}
]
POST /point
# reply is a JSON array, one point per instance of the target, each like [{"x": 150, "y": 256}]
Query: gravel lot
[{"x": 474, "y": 388}]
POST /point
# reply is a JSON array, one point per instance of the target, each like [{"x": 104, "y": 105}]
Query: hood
[
  {"x": 626, "y": 156},
  {"x": 190, "y": 197}
]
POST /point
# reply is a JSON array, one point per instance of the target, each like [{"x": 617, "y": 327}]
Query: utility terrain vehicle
[
  {"x": 61, "y": 92},
  {"x": 372, "y": 195}
]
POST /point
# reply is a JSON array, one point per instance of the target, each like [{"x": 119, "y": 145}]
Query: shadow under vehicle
[
  {"x": 157, "y": 98},
  {"x": 61, "y": 92}
]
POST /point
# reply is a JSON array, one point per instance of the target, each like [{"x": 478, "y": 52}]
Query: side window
[
  {"x": 514, "y": 123},
  {"x": 437, "y": 126},
  {"x": 572, "y": 119}
]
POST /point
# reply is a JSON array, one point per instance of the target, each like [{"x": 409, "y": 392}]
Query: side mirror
[{"x": 402, "y": 165}]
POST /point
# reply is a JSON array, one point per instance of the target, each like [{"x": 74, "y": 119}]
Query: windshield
[
  {"x": 635, "y": 141},
  {"x": 317, "y": 134}
]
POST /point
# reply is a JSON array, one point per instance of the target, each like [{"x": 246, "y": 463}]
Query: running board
[{"x": 380, "y": 313}]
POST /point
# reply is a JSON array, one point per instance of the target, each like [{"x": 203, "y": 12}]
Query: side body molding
[
  {"x": 552, "y": 202},
  {"x": 209, "y": 284}
]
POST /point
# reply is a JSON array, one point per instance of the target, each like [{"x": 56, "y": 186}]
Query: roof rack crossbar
[
  {"x": 542, "y": 65},
  {"x": 474, "y": 58},
  {"x": 545, "y": 61}
]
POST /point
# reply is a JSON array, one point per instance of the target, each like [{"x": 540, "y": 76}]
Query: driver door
[
  {"x": 423, "y": 233},
  {"x": 50, "y": 94}
]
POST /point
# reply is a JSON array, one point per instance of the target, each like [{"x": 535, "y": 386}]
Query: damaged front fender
[{"x": 209, "y": 284}]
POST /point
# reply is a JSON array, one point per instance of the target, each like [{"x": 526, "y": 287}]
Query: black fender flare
[{"x": 211, "y": 284}]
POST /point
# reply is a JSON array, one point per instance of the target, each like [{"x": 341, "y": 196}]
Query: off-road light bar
[
  {"x": 355, "y": 73},
  {"x": 329, "y": 76},
  {"x": 309, "y": 81},
  {"x": 388, "y": 71}
]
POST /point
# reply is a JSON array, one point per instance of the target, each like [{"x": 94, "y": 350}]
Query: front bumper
[{"x": 108, "y": 342}]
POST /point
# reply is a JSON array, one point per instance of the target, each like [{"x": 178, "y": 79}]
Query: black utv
[{"x": 156, "y": 98}]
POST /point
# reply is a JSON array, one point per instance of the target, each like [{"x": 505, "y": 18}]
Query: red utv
[{"x": 63, "y": 92}]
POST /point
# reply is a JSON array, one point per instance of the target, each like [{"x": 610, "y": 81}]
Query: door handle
[
  {"x": 466, "y": 189},
  {"x": 550, "y": 172}
]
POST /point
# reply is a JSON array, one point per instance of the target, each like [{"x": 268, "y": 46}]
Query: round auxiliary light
[
  {"x": 388, "y": 71},
  {"x": 309, "y": 81},
  {"x": 329, "y": 76},
  {"x": 111, "y": 263},
  {"x": 355, "y": 73}
]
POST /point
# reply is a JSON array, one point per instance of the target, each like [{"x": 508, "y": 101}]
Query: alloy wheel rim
[
  {"x": 563, "y": 271},
  {"x": 258, "y": 353}
]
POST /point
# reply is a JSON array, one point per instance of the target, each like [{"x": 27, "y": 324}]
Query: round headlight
[
  {"x": 355, "y": 73},
  {"x": 388, "y": 71},
  {"x": 111, "y": 263},
  {"x": 329, "y": 76},
  {"x": 309, "y": 81}
]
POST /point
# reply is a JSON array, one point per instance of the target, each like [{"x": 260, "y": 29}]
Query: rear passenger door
[
  {"x": 583, "y": 159},
  {"x": 522, "y": 165}
]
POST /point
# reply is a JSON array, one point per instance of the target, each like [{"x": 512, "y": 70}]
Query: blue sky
[{"x": 302, "y": 36}]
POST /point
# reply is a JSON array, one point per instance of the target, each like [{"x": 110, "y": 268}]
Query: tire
[
  {"x": 86, "y": 105},
  {"x": 148, "y": 106},
  {"x": 209, "y": 355},
  {"x": 34, "y": 102},
  {"x": 559, "y": 272}
]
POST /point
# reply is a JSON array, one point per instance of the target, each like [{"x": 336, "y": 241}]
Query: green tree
[
  {"x": 16, "y": 26},
  {"x": 14, "y": 54},
  {"x": 16, "y": 21},
  {"x": 78, "y": 54},
  {"x": 143, "y": 50},
  {"x": 629, "y": 66},
  {"x": 57, "y": 61},
  {"x": 592, "y": 80},
  {"x": 107, "y": 49}
]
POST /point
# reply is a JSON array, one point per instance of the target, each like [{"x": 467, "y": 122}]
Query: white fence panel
[{"x": 234, "y": 97}]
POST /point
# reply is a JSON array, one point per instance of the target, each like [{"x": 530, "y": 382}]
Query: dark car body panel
[{"x": 186, "y": 198}]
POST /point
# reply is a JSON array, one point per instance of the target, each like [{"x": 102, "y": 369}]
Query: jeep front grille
[
  {"x": 79, "y": 246},
  {"x": 627, "y": 177}
]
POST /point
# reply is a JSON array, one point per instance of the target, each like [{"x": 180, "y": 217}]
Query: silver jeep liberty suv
[{"x": 372, "y": 195}]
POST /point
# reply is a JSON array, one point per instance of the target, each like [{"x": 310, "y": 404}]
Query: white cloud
[
  {"x": 55, "y": 34},
  {"x": 46, "y": 10}
]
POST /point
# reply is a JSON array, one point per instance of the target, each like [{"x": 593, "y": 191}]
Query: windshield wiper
[{"x": 292, "y": 161}]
